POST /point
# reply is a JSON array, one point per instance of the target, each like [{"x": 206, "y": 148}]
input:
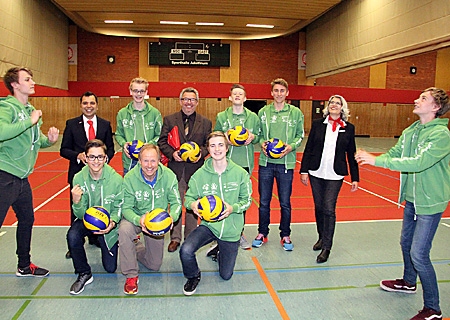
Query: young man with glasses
[
  {"x": 97, "y": 184},
  {"x": 191, "y": 127},
  {"x": 78, "y": 131},
  {"x": 139, "y": 120}
]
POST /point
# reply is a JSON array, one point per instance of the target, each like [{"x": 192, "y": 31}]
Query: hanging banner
[
  {"x": 72, "y": 54},
  {"x": 301, "y": 59}
]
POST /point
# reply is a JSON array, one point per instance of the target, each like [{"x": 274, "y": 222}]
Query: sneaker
[
  {"x": 287, "y": 244},
  {"x": 427, "y": 314},
  {"x": 245, "y": 245},
  {"x": 397, "y": 285},
  {"x": 131, "y": 286},
  {"x": 191, "y": 285},
  {"x": 259, "y": 240},
  {"x": 32, "y": 271},
  {"x": 213, "y": 252},
  {"x": 82, "y": 280}
]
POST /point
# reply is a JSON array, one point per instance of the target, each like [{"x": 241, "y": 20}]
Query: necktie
[
  {"x": 186, "y": 126},
  {"x": 91, "y": 132},
  {"x": 336, "y": 122}
]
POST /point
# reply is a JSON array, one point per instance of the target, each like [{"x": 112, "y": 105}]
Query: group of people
[{"x": 422, "y": 154}]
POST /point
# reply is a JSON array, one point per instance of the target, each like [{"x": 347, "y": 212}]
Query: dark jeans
[
  {"x": 17, "y": 193},
  {"x": 284, "y": 177},
  {"x": 75, "y": 241},
  {"x": 199, "y": 237},
  {"x": 417, "y": 237},
  {"x": 325, "y": 193}
]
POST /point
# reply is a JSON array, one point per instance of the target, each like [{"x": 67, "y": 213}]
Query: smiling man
[
  {"x": 20, "y": 139},
  {"x": 149, "y": 185},
  {"x": 191, "y": 126},
  {"x": 78, "y": 131},
  {"x": 138, "y": 120}
]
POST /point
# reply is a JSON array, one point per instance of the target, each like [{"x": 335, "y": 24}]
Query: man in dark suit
[
  {"x": 77, "y": 132},
  {"x": 191, "y": 127}
]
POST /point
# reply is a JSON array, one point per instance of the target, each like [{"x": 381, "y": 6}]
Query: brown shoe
[{"x": 173, "y": 245}]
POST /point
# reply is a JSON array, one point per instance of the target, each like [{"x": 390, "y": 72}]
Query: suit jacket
[
  {"x": 199, "y": 133},
  {"x": 345, "y": 147},
  {"x": 74, "y": 141}
]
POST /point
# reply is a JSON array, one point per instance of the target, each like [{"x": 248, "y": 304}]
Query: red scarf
[{"x": 336, "y": 122}]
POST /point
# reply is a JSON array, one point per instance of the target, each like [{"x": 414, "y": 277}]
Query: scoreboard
[{"x": 189, "y": 54}]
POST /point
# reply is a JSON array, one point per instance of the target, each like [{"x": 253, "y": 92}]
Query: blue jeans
[
  {"x": 284, "y": 177},
  {"x": 325, "y": 193},
  {"x": 199, "y": 237},
  {"x": 75, "y": 241},
  {"x": 16, "y": 193},
  {"x": 417, "y": 236}
]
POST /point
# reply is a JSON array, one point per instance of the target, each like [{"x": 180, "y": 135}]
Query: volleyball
[
  {"x": 134, "y": 148},
  {"x": 158, "y": 222},
  {"x": 96, "y": 218},
  {"x": 190, "y": 151},
  {"x": 211, "y": 208},
  {"x": 238, "y": 135},
  {"x": 275, "y": 148}
]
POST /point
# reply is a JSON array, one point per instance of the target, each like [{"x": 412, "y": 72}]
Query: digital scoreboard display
[{"x": 189, "y": 54}]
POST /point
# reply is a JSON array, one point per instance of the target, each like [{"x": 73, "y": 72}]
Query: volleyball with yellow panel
[
  {"x": 158, "y": 222},
  {"x": 211, "y": 208},
  {"x": 237, "y": 136},
  {"x": 96, "y": 218},
  {"x": 190, "y": 151}
]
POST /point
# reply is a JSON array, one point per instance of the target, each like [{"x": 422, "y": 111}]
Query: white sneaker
[{"x": 245, "y": 245}]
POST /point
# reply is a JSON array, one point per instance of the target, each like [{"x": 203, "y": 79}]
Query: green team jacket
[
  {"x": 140, "y": 197},
  {"x": 287, "y": 125},
  {"x": 422, "y": 153},
  {"x": 144, "y": 125},
  {"x": 19, "y": 139},
  {"x": 242, "y": 155},
  {"x": 106, "y": 192},
  {"x": 233, "y": 186}
]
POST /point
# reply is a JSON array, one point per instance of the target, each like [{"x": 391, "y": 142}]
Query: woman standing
[{"x": 330, "y": 142}]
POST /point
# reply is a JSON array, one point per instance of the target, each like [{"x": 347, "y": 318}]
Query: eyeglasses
[
  {"x": 92, "y": 158},
  {"x": 188, "y": 99},
  {"x": 138, "y": 91},
  {"x": 336, "y": 103}
]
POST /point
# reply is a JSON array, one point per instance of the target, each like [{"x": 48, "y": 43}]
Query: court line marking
[
  {"x": 271, "y": 290},
  {"x": 46, "y": 201}
]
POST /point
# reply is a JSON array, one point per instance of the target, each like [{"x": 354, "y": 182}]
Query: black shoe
[
  {"x": 318, "y": 245},
  {"x": 213, "y": 252},
  {"x": 32, "y": 271},
  {"x": 323, "y": 256},
  {"x": 93, "y": 240},
  {"x": 191, "y": 285},
  {"x": 68, "y": 255},
  {"x": 82, "y": 280}
]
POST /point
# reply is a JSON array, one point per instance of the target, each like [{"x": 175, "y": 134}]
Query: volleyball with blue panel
[
  {"x": 96, "y": 218},
  {"x": 211, "y": 208},
  {"x": 158, "y": 222},
  {"x": 134, "y": 148},
  {"x": 190, "y": 151},
  {"x": 237, "y": 135},
  {"x": 275, "y": 148}
]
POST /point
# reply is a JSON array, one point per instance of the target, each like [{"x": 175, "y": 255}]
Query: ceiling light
[
  {"x": 267, "y": 26},
  {"x": 174, "y": 22},
  {"x": 119, "y": 21},
  {"x": 219, "y": 24}
]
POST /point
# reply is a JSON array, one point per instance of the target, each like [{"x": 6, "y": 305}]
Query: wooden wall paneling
[
  {"x": 383, "y": 120},
  {"x": 405, "y": 117},
  {"x": 306, "y": 106},
  {"x": 360, "y": 117}
]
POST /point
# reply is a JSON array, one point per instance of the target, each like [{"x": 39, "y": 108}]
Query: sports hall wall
[{"x": 381, "y": 93}]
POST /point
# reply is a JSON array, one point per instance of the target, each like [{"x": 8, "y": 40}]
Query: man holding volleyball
[
  {"x": 243, "y": 155},
  {"x": 284, "y": 122},
  {"x": 20, "y": 139},
  {"x": 148, "y": 186},
  {"x": 138, "y": 120},
  {"x": 222, "y": 177},
  {"x": 97, "y": 184}
]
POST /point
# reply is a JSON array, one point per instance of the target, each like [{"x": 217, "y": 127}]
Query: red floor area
[{"x": 50, "y": 177}]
